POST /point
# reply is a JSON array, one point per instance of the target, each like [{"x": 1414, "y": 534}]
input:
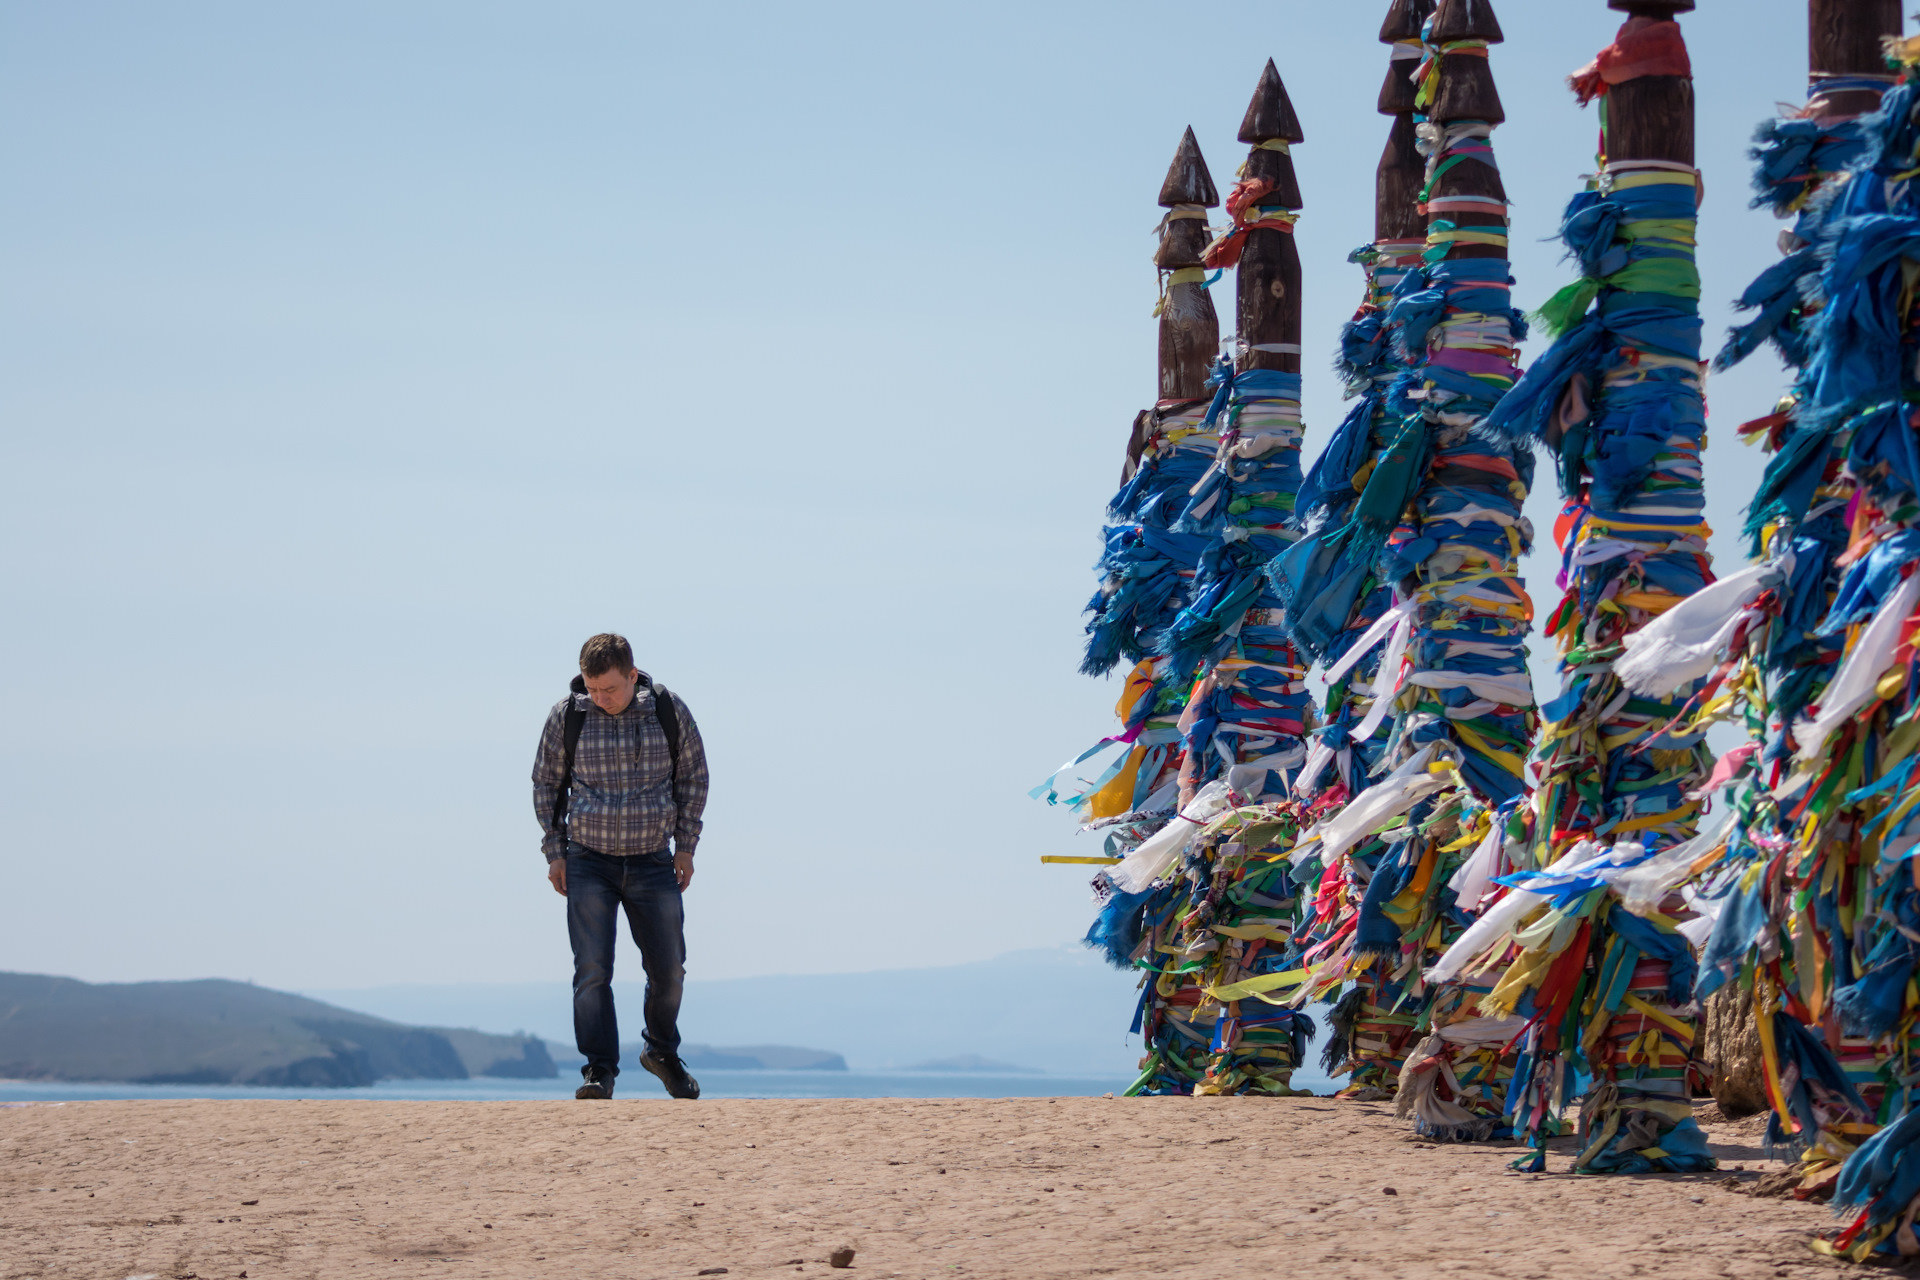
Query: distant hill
[
  {"x": 760, "y": 1057},
  {"x": 1059, "y": 1009},
  {"x": 972, "y": 1062},
  {"x": 220, "y": 1032},
  {"x": 706, "y": 1057}
]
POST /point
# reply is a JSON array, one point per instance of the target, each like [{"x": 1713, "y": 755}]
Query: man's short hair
[{"x": 606, "y": 652}]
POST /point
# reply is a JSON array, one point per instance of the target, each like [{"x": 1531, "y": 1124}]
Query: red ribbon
[
  {"x": 1241, "y": 204},
  {"x": 1644, "y": 47}
]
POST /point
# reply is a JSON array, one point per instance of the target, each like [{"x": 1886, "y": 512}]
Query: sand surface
[{"x": 1027, "y": 1187}]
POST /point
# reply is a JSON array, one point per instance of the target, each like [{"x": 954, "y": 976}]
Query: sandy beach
[{"x": 1028, "y": 1187}]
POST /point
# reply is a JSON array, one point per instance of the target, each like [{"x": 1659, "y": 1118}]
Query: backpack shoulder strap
[
  {"x": 669, "y": 717},
  {"x": 570, "y": 727}
]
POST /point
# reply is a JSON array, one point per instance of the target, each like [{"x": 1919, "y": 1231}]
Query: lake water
[{"x": 634, "y": 1083}]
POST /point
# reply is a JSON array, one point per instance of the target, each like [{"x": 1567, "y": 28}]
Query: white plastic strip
[
  {"x": 1853, "y": 687},
  {"x": 1160, "y": 850},
  {"x": 1686, "y": 642}
]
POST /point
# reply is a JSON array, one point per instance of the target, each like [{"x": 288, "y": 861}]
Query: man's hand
[
  {"x": 683, "y": 867},
  {"x": 557, "y": 876}
]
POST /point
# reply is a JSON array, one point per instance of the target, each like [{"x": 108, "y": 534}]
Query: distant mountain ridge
[
  {"x": 760, "y": 1057},
  {"x": 707, "y": 1057},
  {"x": 971, "y": 1063},
  {"x": 1056, "y": 1009},
  {"x": 215, "y": 1031},
  {"x": 1061, "y": 1010}
]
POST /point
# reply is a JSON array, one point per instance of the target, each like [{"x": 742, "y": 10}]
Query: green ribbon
[
  {"x": 1676, "y": 277},
  {"x": 1391, "y": 485}
]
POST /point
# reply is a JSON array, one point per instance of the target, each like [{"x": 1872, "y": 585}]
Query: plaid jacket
[{"x": 622, "y": 799}]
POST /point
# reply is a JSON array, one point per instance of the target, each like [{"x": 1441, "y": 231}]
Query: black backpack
[{"x": 663, "y": 711}]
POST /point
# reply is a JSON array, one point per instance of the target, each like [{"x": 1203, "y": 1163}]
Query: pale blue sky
[{"x": 357, "y": 360}]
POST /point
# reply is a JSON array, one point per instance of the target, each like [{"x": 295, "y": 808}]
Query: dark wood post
[
  {"x": 1466, "y": 92},
  {"x": 1189, "y": 327},
  {"x": 1269, "y": 275},
  {"x": 1843, "y": 39},
  {"x": 1397, "y": 182},
  {"x": 1651, "y": 118}
]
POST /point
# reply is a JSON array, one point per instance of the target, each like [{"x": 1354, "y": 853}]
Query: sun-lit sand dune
[{"x": 1030, "y": 1187}]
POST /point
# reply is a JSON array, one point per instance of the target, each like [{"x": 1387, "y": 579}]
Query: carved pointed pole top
[
  {"x": 1466, "y": 90},
  {"x": 1189, "y": 326},
  {"x": 1404, "y": 20},
  {"x": 1188, "y": 181},
  {"x": 1401, "y": 171},
  {"x": 1467, "y": 20},
  {"x": 1270, "y": 114},
  {"x": 1403, "y": 26}
]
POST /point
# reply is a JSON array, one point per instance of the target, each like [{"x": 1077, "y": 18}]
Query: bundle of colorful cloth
[
  {"x": 1603, "y": 981},
  {"x": 1225, "y": 919},
  {"x": 1424, "y": 559},
  {"x": 1773, "y": 655},
  {"x": 1498, "y": 937},
  {"x": 1194, "y": 792},
  {"x": 1815, "y": 904}
]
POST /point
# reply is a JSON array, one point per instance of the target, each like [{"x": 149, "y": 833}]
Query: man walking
[{"x": 620, "y": 770}]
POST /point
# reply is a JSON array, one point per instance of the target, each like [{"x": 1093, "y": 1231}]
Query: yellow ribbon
[{"x": 1256, "y": 986}]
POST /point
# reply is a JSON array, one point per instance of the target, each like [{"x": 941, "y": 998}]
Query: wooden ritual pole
[
  {"x": 1370, "y": 1032},
  {"x": 1189, "y": 328},
  {"x": 1250, "y": 709},
  {"x": 1651, "y": 117},
  {"x": 1150, "y": 573},
  {"x": 1463, "y": 698},
  {"x": 1269, "y": 276},
  {"x": 1615, "y": 768},
  {"x": 1844, "y": 39},
  {"x": 1401, "y": 172},
  {"x": 1847, "y": 77}
]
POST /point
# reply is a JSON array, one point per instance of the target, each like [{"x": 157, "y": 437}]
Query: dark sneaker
[
  {"x": 598, "y": 1086},
  {"x": 672, "y": 1073}
]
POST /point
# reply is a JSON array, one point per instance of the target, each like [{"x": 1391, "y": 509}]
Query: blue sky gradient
[{"x": 358, "y": 360}]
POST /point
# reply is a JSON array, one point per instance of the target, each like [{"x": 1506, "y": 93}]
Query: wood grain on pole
[
  {"x": 1189, "y": 326},
  {"x": 1396, "y": 186},
  {"x": 1843, "y": 39},
  {"x": 1466, "y": 88},
  {"x": 1269, "y": 273},
  {"x": 1651, "y": 118},
  {"x": 1402, "y": 170},
  {"x": 1466, "y": 92}
]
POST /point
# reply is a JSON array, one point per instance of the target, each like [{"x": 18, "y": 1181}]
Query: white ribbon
[
  {"x": 1641, "y": 888},
  {"x": 1853, "y": 687},
  {"x": 1387, "y": 686},
  {"x": 1370, "y": 638},
  {"x": 1514, "y": 690},
  {"x": 1500, "y": 918},
  {"x": 1474, "y": 880},
  {"x": 1158, "y": 851},
  {"x": 1688, "y": 640},
  {"x": 1307, "y": 783},
  {"x": 1394, "y": 794}
]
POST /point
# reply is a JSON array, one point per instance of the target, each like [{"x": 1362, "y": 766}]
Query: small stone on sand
[{"x": 841, "y": 1257}]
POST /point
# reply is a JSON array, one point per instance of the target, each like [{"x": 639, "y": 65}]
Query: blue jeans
[{"x": 597, "y": 887}]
